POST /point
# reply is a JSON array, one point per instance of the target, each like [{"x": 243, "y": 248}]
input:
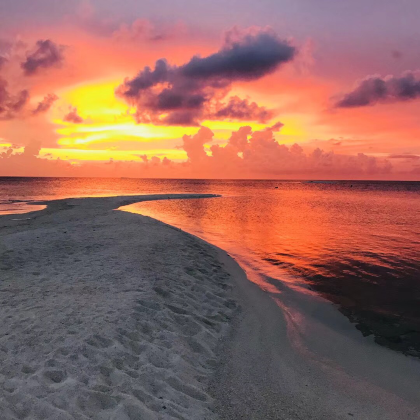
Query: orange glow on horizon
[
  {"x": 106, "y": 155},
  {"x": 109, "y": 130}
]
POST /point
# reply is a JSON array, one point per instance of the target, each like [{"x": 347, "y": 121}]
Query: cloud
[
  {"x": 45, "y": 104},
  {"x": 259, "y": 154},
  {"x": 276, "y": 127},
  {"x": 10, "y": 49},
  {"x": 376, "y": 89},
  {"x": 194, "y": 145},
  {"x": 105, "y": 24},
  {"x": 187, "y": 94},
  {"x": 15, "y": 105},
  {"x": 242, "y": 109},
  {"x": 87, "y": 18},
  {"x": 73, "y": 117},
  {"x": 18, "y": 102},
  {"x": 32, "y": 149},
  {"x": 247, "y": 154},
  {"x": 29, "y": 163},
  {"x": 11, "y": 105},
  {"x": 244, "y": 56},
  {"x": 145, "y": 30},
  {"x": 46, "y": 54},
  {"x": 139, "y": 30}
]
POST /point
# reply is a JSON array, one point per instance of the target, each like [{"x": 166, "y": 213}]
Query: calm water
[{"x": 356, "y": 243}]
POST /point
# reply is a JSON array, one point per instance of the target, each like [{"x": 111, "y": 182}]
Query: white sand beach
[
  {"x": 107, "y": 315},
  {"x": 111, "y": 315}
]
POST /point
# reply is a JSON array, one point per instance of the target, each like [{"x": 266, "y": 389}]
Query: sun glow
[
  {"x": 108, "y": 129},
  {"x": 106, "y": 155}
]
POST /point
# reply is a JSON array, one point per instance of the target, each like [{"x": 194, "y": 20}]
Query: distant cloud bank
[{"x": 247, "y": 154}]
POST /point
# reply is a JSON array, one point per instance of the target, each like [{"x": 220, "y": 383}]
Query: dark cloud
[
  {"x": 73, "y": 117},
  {"x": 185, "y": 118},
  {"x": 187, "y": 94},
  {"x": 19, "y": 101},
  {"x": 146, "y": 79},
  {"x": 11, "y": 105},
  {"x": 375, "y": 89},
  {"x": 46, "y": 54},
  {"x": 45, "y": 104},
  {"x": 243, "y": 57},
  {"x": 242, "y": 109}
]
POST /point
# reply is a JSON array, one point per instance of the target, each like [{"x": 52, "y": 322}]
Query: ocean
[{"x": 355, "y": 243}]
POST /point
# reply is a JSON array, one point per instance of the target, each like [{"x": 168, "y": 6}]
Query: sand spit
[{"x": 107, "y": 314}]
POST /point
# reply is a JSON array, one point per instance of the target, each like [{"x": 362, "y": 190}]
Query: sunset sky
[{"x": 216, "y": 89}]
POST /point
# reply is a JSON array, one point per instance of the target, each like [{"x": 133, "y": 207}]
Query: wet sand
[
  {"x": 293, "y": 355},
  {"x": 388, "y": 311}
]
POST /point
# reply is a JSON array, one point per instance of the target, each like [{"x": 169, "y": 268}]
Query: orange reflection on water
[
  {"x": 264, "y": 223},
  {"x": 356, "y": 244}
]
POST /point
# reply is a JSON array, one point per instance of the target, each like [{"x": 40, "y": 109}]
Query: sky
[{"x": 277, "y": 89}]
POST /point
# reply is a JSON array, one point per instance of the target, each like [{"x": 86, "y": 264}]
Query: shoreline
[
  {"x": 295, "y": 356},
  {"x": 261, "y": 355}
]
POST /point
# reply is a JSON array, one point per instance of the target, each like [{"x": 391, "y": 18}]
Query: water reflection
[
  {"x": 358, "y": 246},
  {"x": 18, "y": 207}
]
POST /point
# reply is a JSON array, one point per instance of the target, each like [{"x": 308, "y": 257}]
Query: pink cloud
[
  {"x": 11, "y": 105},
  {"x": 45, "y": 104},
  {"x": 247, "y": 154},
  {"x": 73, "y": 117}
]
